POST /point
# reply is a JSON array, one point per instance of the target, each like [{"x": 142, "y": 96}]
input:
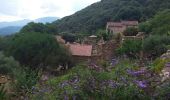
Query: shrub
[
  {"x": 159, "y": 64},
  {"x": 25, "y": 79},
  {"x": 37, "y": 49},
  {"x": 2, "y": 93},
  {"x": 156, "y": 45},
  {"x": 130, "y": 48},
  {"x": 7, "y": 65},
  {"x": 69, "y": 37},
  {"x": 163, "y": 91},
  {"x": 131, "y": 31}
]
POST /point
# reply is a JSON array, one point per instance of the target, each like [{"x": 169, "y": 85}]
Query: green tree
[
  {"x": 155, "y": 45},
  {"x": 39, "y": 27},
  {"x": 69, "y": 37},
  {"x": 131, "y": 31},
  {"x": 7, "y": 65},
  {"x": 130, "y": 48},
  {"x": 145, "y": 27},
  {"x": 34, "y": 27},
  {"x": 159, "y": 24},
  {"x": 37, "y": 49},
  {"x": 128, "y": 13}
]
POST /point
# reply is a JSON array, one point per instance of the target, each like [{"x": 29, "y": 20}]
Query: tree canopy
[
  {"x": 159, "y": 24},
  {"x": 39, "y": 27},
  {"x": 131, "y": 31},
  {"x": 37, "y": 49}
]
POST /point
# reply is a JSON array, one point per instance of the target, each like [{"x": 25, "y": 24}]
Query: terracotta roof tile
[
  {"x": 115, "y": 24},
  {"x": 135, "y": 23},
  {"x": 80, "y": 50}
]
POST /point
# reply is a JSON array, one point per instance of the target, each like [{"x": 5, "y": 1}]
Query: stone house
[{"x": 119, "y": 27}]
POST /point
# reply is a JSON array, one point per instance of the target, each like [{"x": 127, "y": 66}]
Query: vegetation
[
  {"x": 2, "y": 93},
  {"x": 159, "y": 24},
  {"x": 27, "y": 56},
  {"x": 37, "y": 50},
  {"x": 131, "y": 31},
  {"x": 155, "y": 45},
  {"x": 39, "y": 27},
  {"x": 26, "y": 78},
  {"x": 131, "y": 48},
  {"x": 95, "y": 17},
  {"x": 123, "y": 82},
  {"x": 69, "y": 37},
  {"x": 159, "y": 64},
  {"x": 7, "y": 65},
  {"x": 157, "y": 30}
]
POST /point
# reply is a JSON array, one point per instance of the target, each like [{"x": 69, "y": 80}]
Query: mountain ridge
[{"x": 7, "y": 28}]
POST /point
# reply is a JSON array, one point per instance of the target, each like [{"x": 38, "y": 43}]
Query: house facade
[{"x": 119, "y": 27}]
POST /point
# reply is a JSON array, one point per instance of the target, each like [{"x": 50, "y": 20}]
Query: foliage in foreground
[
  {"x": 159, "y": 64},
  {"x": 83, "y": 83},
  {"x": 125, "y": 81},
  {"x": 22, "y": 78},
  {"x": 2, "y": 93},
  {"x": 25, "y": 79}
]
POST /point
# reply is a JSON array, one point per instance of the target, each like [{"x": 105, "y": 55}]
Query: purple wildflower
[
  {"x": 135, "y": 73},
  {"x": 141, "y": 84},
  {"x": 114, "y": 62},
  {"x": 167, "y": 64},
  {"x": 124, "y": 80},
  {"x": 43, "y": 90},
  {"x": 66, "y": 97},
  {"x": 74, "y": 97},
  {"x": 74, "y": 80},
  {"x": 112, "y": 84},
  {"x": 65, "y": 83}
]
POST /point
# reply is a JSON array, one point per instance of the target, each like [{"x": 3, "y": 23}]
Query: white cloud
[{"x": 31, "y": 9}]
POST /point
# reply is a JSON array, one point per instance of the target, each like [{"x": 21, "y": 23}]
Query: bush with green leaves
[
  {"x": 130, "y": 48},
  {"x": 159, "y": 24},
  {"x": 3, "y": 95},
  {"x": 69, "y": 37},
  {"x": 163, "y": 91},
  {"x": 25, "y": 79},
  {"x": 37, "y": 50},
  {"x": 39, "y": 27},
  {"x": 7, "y": 65},
  {"x": 159, "y": 64},
  {"x": 156, "y": 45},
  {"x": 131, "y": 31}
]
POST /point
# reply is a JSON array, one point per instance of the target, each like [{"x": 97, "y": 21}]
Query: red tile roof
[
  {"x": 114, "y": 24},
  {"x": 80, "y": 50},
  {"x": 122, "y": 23},
  {"x": 133, "y": 23}
]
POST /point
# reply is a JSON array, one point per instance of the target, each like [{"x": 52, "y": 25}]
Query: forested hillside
[{"x": 95, "y": 16}]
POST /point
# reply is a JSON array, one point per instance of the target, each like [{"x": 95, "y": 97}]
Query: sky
[{"x": 11, "y": 10}]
